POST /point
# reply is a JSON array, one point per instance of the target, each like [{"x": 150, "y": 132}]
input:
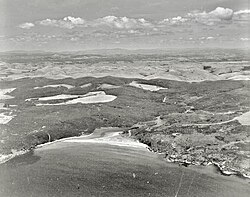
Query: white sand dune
[
  {"x": 3, "y": 93},
  {"x": 86, "y": 85},
  {"x": 2, "y": 106},
  {"x": 55, "y": 86},
  {"x": 240, "y": 77},
  {"x": 244, "y": 119},
  {"x": 57, "y": 97},
  {"x": 91, "y": 97},
  {"x": 107, "y": 86},
  {"x": 146, "y": 86},
  {"x": 99, "y": 98},
  {"x": 4, "y": 119}
]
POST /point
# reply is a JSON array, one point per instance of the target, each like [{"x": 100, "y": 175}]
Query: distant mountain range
[{"x": 121, "y": 51}]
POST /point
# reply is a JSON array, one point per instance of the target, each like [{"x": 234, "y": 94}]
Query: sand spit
[
  {"x": 146, "y": 86},
  {"x": 56, "y": 86},
  {"x": 3, "y": 93},
  {"x": 91, "y": 97}
]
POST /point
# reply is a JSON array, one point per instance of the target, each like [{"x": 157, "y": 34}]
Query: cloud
[
  {"x": 73, "y": 20},
  {"x": 29, "y": 36},
  {"x": 210, "y": 18},
  {"x": 219, "y": 15},
  {"x": 242, "y": 15},
  {"x": 178, "y": 19},
  {"x": 68, "y": 22},
  {"x": 26, "y": 25},
  {"x": 210, "y": 38},
  {"x": 242, "y": 12},
  {"x": 122, "y": 22},
  {"x": 174, "y": 21},
  {"x": 222, "y": 13},
  {"x": 245, "y": 39}
]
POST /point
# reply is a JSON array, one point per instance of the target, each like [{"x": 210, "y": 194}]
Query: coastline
[
  {"x": 220, "y": 169},
  {"x": 6, "y": 158},
  {"x": 116, "y": 138}
]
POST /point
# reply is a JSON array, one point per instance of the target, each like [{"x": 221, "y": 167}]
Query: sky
[{"x": 73, "y": 25}]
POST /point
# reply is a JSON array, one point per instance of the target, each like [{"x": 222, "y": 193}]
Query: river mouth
[{"x": 81, "y": 168}]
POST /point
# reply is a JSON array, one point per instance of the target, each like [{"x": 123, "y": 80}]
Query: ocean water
[{"x": 99, "y": 169}]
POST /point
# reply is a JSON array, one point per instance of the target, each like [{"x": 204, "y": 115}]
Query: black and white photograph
[{"x": 124, "y": 98}]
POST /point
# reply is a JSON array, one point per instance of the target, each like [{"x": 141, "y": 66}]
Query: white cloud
[
  {"x": 133, "y": 31},
  {"x": 222, "y": 13},
  {"x": 68, "y": 22},
  {"x": 178, "y": 19},
  {"x": 73, "y": 20},
  {"x": 26, "y": 25},
  {"x": 174, "y": 21},
  {"x": 208, "y": 18},
  {"x": 210, "y": 38},
  {"x": 213, "y": 17},
  {"x": 242, "y": 15},
  {"x": 122, "y": 22},
  {"x": 114, "y": 23},
  {"x": 244, "y": 39},
  {"x": 48, "y": 22},
  {"x": 74, "y": 39},
  {"x": 242, "y": 12}
]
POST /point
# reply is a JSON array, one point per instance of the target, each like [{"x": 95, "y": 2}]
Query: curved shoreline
[
  {"x": 116, "y": 139},
  {"x": 219, "y": 168},
  {"x": 6, "y": 158}
]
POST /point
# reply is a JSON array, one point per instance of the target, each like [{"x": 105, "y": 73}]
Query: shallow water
[{"x": 102, "y": 169}]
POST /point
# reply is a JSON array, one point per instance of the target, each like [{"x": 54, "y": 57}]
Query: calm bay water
[{"x": 99, "y": 169}]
